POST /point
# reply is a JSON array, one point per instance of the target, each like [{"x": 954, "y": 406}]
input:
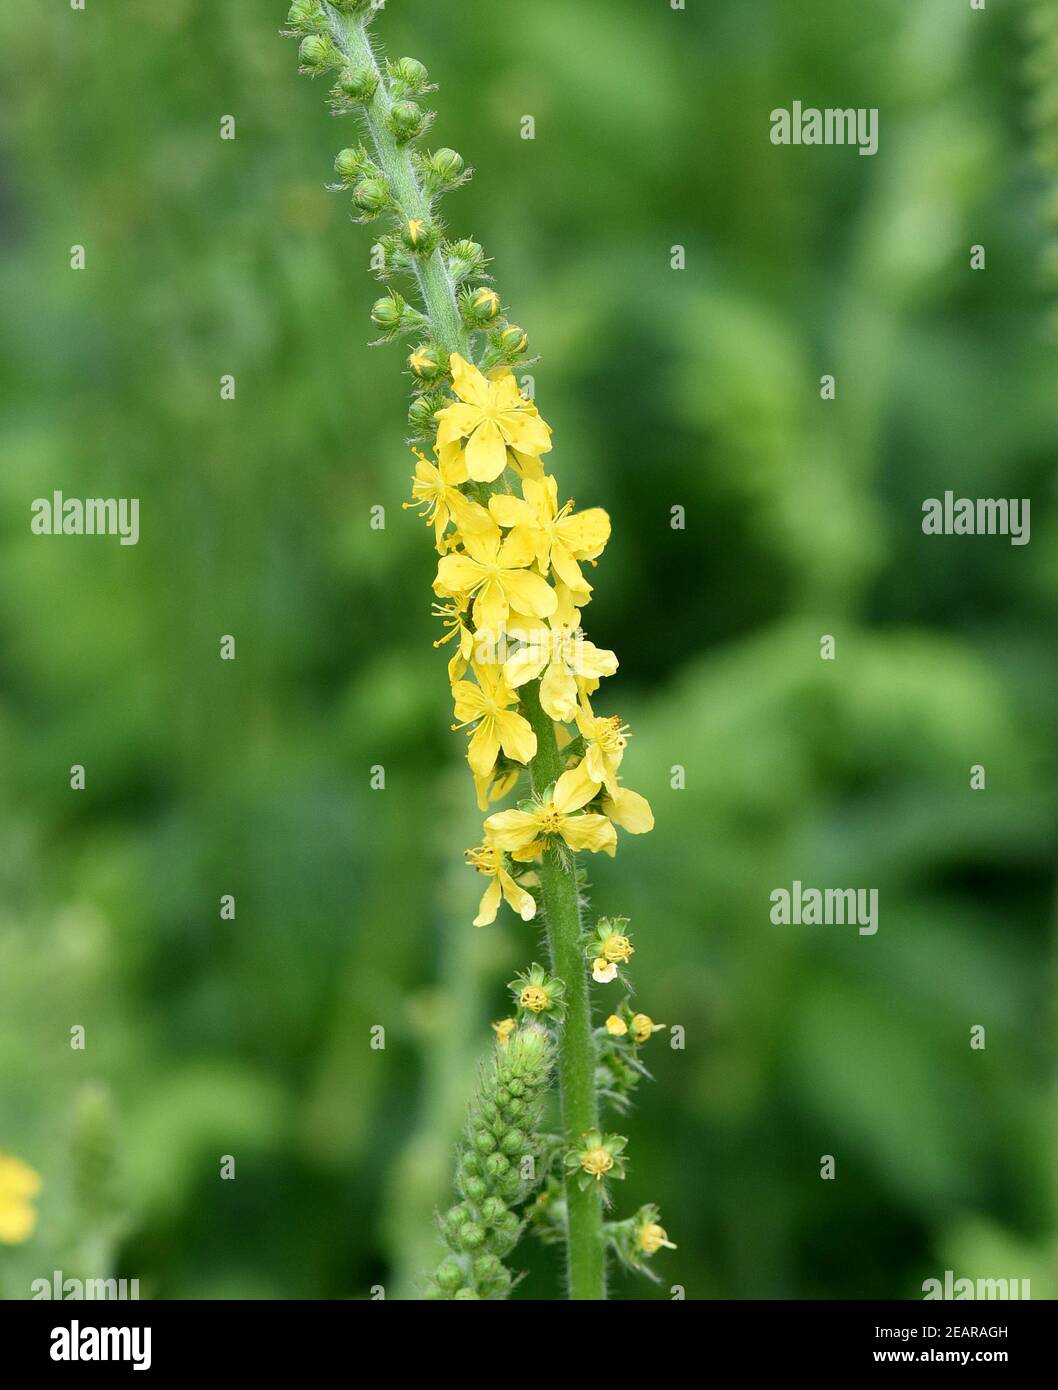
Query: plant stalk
[{"x": 576, "y": 1059}]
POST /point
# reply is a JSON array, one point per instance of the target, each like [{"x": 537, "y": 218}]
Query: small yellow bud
[
  {"x": 597, "y": 1162},
  {"x": 503, "y": 1030},
  {"x": 643, "y": 1026},
  {"x": 618, "y": 947},
  {"x": 616, "y": 1027},
  {"x": 651, "y": 1237},
  {"x": 534, "y": 999}
]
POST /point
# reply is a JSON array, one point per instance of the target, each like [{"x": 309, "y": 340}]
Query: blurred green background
[{"x": 698, "y": 388}]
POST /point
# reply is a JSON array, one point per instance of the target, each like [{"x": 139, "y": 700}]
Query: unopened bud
[
  {"x": 481, "y": 305},
  {"x": 425, "y": 362},
  {"x": 419, "y": 236},
  {"x": 406, "y": 120},
  {"x": 446, "y": 164},
  {"x": 317, "y": 54},
  {"x": 411, "y": 73},
  {"x": 371, "y": 195},
  {"x": 359, "y": 84},
  {"x": 512, "y": 340},
  {"x": 349, "y": 163}
]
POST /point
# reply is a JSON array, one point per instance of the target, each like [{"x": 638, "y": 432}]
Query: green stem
[
  {"x": 576, "y": 1061},
  {"x": 435, "y": 283}
]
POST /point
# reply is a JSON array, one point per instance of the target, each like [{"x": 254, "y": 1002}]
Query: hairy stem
[
  {"x": 576, "y": 1060},
  {"x": 435, "y": 283}
]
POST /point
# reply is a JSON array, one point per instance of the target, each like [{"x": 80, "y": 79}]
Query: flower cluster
[{"x": 511, "y": 584}]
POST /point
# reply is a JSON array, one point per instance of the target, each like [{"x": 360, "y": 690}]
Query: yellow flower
[
  {"x": 560, "y": 537},
  {"x": 629, "y": 810},
  {"x": 488, "y": 860},
  {"x": 526, "y": 833},
  {"x": 434, "y": 488},
  {"x": 597, "y": 1162},
  {"x": 643, "y": 1026},
  {"x": 616, "y": 1026},
  {"x": 490, "y": 415},
  {"x": 617, "y": 948},
  {"x": 19, "y": 1186},
  {"x": 494, "y": 571},
  {"x": 651, "y": 1237},
  {"x": 563, "y": 654},
  {"x": 605, "y": 739},
  {"x": 603, "y": 970},
  {"x": 488, "y": 704},
  {"x": 503, "y": 1030}
]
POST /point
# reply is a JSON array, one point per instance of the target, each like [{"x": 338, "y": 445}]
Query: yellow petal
[
  {"x": 456, "y": 574},
  {"x": 490, "y": 606},
  {"x": 573, "y": 790},
  {"x": 523, "y": 903},
  {"x": 489, "y": 905},
  {"x": 558, "y": 693},
  {"x": 486, "y": 453},
  {"x": 468, "y": 383},
  {"x": 483, "y": 748},
  {"x": 511, "y": 511},
  {"x": 585, "y": 533},
  {"x": 529, "y": 593},
  {"x": 516, "y": 736},
  {"x": 511, "y": 829},
  {"x": 591, "y": 832},
  {"x": 526, "y": 665},
  {"x": 630, "y": 811},
  {"x": 591, "y": 661}
]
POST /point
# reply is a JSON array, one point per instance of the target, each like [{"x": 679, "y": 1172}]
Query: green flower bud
[
  {"x": 496, "y": 1165},
  {"x": 509, "y": 1186},
  {"x": 305, "y": 14},
  {"x": 371, "y": 195},
  {"x": 471, "y": 1164},
  {"x": 388, "y": 312},
  {"x": 359, "y": 84},
  {"x": 406, "y": 120},
  {"x": 480, "y": 306},
  {"x": 350, "y": 163},
  {"x": 492, "y": 1209},
  {"x": 317, "y": 54},
  {"x": 471, "y": 1236},
  {"x": 426, "y": 362},
  {"x": 449, "y": 1276},
  {"x": 487, "y": 1268},
  {"x": 475, "y": 1189},
  {"x": 411, "y": 73},
  {"x": 513, "y": 1143},
  {"x": 512, "y": 341},
  {"x": 445, "y": 164},
  {"x": 419, "y": 236},
  {"x": 457, "y": 1216},
  {"x": 515, "y": 1086},
  {"x": 484, "y": 1142},
  {"x": 503, "y": 1096},
  {"x": 465, "y": 1295},
  {"x": 422, "y": 411}
]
